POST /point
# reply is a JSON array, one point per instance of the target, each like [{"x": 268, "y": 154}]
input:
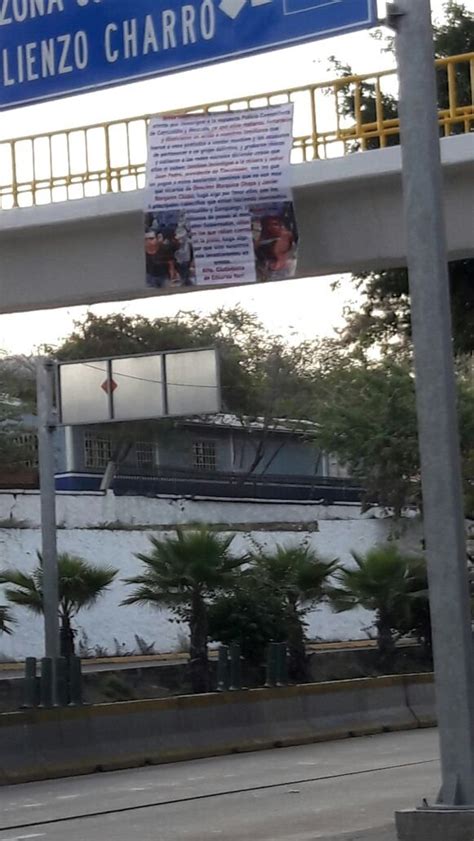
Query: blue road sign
[{"x": 53, "y": 48}]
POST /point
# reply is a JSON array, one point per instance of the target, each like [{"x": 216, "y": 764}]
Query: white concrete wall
[{"x": 111, "y": 530}]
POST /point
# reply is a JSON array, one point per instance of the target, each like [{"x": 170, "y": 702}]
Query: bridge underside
[{"x": 349, "y": 213}]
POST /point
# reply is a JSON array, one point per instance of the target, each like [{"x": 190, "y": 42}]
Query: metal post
[
  {"x": 222, "y": 668},
  {"x": 271, "y": 666},
  {"x": 282, "y": 664},
  {"x": 46, "y": 428},
  {"x": 235, "y": 667},
  {"x": 75, "y": 682},
  {"x": 62, "y": 682},
  {"x": 436, "y": 398},
  {"x": 47, "y": 681},
  {"x": 31, "y": 684}
]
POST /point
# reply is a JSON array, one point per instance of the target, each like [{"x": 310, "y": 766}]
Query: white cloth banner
[{"x": 218, "y": 202}]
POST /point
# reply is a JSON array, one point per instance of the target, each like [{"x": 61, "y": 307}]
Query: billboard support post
[{"x": 45, "y": 377}]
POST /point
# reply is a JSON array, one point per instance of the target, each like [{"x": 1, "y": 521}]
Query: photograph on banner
[
  {"x": 239, "y": 246},
  {"x": 275, "y": 238},
  {"x": 219, "y": 207},
  {"x": 168, "y": 250}
]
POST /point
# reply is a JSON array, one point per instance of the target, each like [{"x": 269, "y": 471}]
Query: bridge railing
[{"x": 332, "y": 118}]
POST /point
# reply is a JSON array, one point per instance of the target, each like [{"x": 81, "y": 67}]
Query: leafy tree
[
  {"x": 183, "y": 574},
  {"x": 80, "y": 586},
  {"x": 298, "y": 577},
  {"x": 16, "y": 399},
  {"x": 250, "y": 613},
  {"x": 455, "y": 36},
  {"x": 366, "y": 411},
  {"x": 382, "y": 581},
  {"x": 384, "y": 312},
  {"x": 367, "y": 416},
  {"x": 365, "y": 93}
]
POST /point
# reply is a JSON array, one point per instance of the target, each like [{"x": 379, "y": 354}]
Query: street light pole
[
  {"x": 45, "y": 374},
  {"x": 436, "y": 398}
]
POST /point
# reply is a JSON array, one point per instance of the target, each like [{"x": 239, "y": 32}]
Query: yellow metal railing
[{"x": 332, "y": 118}]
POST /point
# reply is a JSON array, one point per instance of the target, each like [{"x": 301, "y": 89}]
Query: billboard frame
[{"x": 108, "y": 360}]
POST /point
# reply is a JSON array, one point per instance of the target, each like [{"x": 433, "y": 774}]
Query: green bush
[{"x": 251, "y": 614}]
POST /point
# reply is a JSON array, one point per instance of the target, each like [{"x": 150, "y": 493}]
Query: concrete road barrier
[
  {"x": 43, "y": 744},
  {"x": 435, "y": 825},
  {"x": 361, "y": 707},
  {"x": 421, "y": 699}
]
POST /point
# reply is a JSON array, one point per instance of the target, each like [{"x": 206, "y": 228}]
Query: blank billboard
[{"x": 140, "y": 387}]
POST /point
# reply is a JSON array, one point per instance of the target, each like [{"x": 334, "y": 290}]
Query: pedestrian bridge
[{"x": 71, "y": 222}]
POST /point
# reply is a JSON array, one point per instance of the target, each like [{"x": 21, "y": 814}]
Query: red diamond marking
[{"x": 109, "y": 386}]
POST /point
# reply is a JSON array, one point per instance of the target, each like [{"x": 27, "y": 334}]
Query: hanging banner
[{"x": 219, "y": 208}]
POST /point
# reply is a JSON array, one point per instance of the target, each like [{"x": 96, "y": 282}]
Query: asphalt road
[{"x": 337, "y": 791}]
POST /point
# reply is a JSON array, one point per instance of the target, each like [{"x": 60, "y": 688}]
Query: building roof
[{"x": 226, "y": 420}]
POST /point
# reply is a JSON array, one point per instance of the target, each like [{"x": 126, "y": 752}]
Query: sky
[{"x": 297, "y": 309}]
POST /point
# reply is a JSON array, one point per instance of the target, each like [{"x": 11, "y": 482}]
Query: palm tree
[
  {"x": 80, "y": 585},
  {"x": 6, "y": 620},
  {"x": 182, "y": 574},
  {"x": 299, "y": 576},
  {"x": 386, "y": 582},
  {"x": 419, "y": 614}
]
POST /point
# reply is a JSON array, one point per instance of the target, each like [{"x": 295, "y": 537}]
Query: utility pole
[{"x": 436, "y": 402}]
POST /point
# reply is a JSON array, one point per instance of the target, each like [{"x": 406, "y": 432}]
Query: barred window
[
  {"x": 145, "y": 453},
  {"x": 204, "y": 455},
  {"x": 27, "y": 443},
  {"x": 97, "y": 450}
]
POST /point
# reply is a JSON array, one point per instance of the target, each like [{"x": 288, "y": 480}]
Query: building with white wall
[{"x": 110, "y": 529}]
